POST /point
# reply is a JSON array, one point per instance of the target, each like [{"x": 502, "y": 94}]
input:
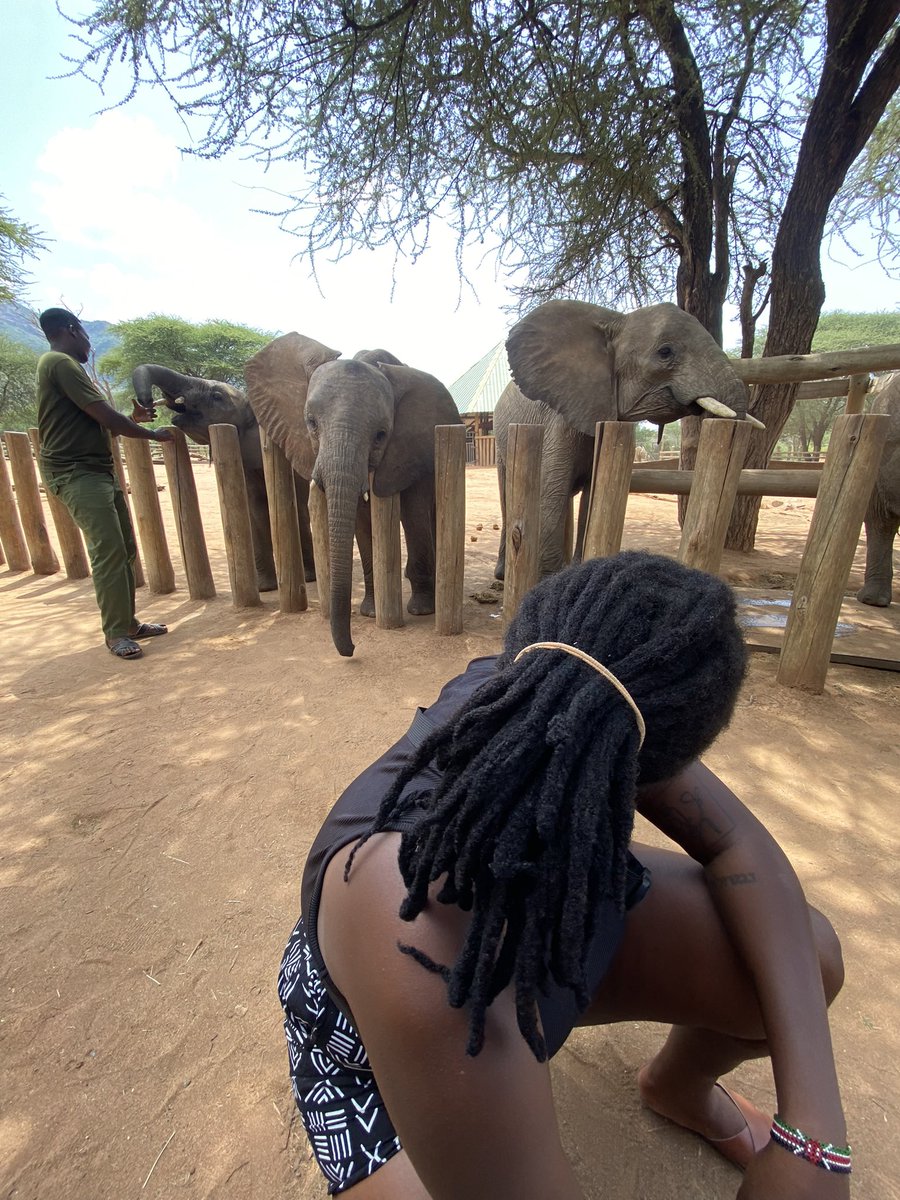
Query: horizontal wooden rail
[
  {"x": 751, "y": 483},
  {"x": 798, "y": 368}
]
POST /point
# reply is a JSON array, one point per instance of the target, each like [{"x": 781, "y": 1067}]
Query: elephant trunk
[
  {"x": 342, "y": 494},
  {"x": 146, "y": 375}
]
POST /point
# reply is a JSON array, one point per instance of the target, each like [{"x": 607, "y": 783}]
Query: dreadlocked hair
[{"x": 530, "y": 825}]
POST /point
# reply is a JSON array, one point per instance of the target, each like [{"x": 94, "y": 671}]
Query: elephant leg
[
  {"x": 500, "y": 569},
  {"x": 558, "y": 485},
  {"x": 364, "y": 543},
  {"x": 261, "y": 530},
  {"x": 417, "y": 516},
  {"x": 880, "y": 534},
  {"x": 301, "y": 487}
]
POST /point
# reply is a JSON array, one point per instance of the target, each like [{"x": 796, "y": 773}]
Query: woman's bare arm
[{"x": 763, "y": 908}]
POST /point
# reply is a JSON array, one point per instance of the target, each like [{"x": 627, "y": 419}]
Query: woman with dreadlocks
[{"x": 489, "y": 899}]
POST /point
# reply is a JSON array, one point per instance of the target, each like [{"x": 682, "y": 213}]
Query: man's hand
[
  {"x": 163, "y": 435},
  {"x": 142, "y": 415}
]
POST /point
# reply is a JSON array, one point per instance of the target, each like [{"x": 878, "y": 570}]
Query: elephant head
[
  {"x": 592, "y": 364},
  {"x": 368, "y": 415},
  {"x": 198, "y": 403}
]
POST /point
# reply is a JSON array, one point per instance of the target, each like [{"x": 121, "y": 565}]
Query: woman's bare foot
[{"x": 729, "y": 1122}]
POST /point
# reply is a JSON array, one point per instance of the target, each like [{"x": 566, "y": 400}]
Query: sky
[{"x": 135, "y": 226}]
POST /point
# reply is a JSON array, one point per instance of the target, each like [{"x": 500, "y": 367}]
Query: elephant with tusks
[
  {"x": 340, "y": 421},
  {"x": 195, "y": 404},
  {"x": 574, "y": 364}
]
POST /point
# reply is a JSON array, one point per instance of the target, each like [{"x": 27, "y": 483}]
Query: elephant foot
[
  {"x": 875, "y": 594},
  {"x": 309, "y": 574},
  {"x": 367, "y": 608},
  {"x": 421, "y": 604},
  {"x": 267, "y": 583},
  {"x": 500, "y": 571}
]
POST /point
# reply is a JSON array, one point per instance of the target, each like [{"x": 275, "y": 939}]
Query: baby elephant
[{"x": 883, "y": 513}]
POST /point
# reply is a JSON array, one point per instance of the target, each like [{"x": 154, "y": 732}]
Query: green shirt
[{"x": 69, "y": 437}]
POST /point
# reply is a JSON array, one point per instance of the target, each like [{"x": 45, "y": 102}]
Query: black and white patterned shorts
[{"x": 345, "y": 1119}]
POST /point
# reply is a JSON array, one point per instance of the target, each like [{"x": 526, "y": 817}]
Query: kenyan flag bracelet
[{"x": 821, "y": 1154}]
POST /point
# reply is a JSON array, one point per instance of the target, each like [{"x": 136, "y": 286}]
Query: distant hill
[{"x": 18, "y": 322}]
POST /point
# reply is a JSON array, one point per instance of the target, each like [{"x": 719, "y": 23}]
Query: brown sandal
[{"x": 741, "y": 1147}]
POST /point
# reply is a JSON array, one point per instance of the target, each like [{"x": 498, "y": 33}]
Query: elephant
[
  {"x": 340, "y": 420},
  {"x": 882, "y": 518},
  {"x": 574, "y": 364},
  {"x": 198, "y": 403}
]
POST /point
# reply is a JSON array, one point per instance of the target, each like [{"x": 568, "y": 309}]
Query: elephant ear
[
  {"x": 374, "y": 357},
  {"x": 420, "y": 403},
  {"x": 277, "y": 382},
  {"x": 562, "y": 354}
]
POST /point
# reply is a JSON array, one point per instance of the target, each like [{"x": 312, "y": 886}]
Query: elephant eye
[
  {"x": 380, "y": 437},
  {"x": 312, "y": 424},
  {"x": 666, "y": 353}
]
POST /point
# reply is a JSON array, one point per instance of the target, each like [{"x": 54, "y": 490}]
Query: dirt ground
[{"x": 154, "y": 817}]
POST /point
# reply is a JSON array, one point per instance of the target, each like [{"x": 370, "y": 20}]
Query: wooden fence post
[
  {"x": 12, "y": 535},
  {"x": 613, "y": 464},
  {"x": 318, "y": 524},
  {"x": 139, "y": 579},
  {"x": 450, "y": 549},
  {"x": 720, "y": 457},
  {"x": 857, "y": 388},
  {"x": 71, "y": 543},
  {"x": 226, "y": 453},
  {"x": 523, "y": 515},
  {"x": 386, "y": 564},
  {"x": 282, "y": 493},
  {"x": 148, "y": 516},
  {"x": 854, "y": 451},
  {"x": 28, "y": 496},
  {"x": 188, "y": 525}
]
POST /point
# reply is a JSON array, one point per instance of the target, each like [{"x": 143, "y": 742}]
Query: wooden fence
[{"x": 841, "y": 488}]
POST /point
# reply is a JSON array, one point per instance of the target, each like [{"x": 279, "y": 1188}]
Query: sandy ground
[{"x": 154, "y": 817}]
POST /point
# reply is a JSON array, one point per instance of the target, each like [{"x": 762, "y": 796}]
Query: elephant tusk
[
  {"x": 754, "y": 421},
  {"x": 366, "y": 495},
  {"x": 716, "y": 407}
]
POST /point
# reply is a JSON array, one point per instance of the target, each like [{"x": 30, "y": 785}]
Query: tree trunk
[{"x": 843, "y": 115}]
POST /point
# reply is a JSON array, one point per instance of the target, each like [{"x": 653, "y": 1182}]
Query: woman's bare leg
[
  {"x": 677, "y": 966},
  {"x": 395, "y": 1180}
]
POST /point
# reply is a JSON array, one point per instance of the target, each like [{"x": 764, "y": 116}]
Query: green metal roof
[{"x": 479, "y": 388}]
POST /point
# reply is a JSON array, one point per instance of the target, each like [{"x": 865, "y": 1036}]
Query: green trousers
[{"x": 98, "y": 508}]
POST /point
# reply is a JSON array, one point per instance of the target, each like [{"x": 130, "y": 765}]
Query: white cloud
[{"x": 139, "y": 228}]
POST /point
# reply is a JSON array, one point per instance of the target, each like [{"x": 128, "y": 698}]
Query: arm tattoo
[
  {"x": 699, "y": 819},
  {"x": 724, "y": 881}
]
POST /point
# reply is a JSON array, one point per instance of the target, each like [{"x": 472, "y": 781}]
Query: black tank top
[{"x": 355, "y": 810}]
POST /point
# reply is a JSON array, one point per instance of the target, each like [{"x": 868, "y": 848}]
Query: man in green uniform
[{"x": 75, "y": 423}]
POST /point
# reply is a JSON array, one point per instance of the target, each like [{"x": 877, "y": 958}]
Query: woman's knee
[{"x": 831, "y": 958}]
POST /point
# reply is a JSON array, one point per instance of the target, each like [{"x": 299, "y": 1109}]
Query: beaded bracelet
[{"x": 821, "y": 1154}]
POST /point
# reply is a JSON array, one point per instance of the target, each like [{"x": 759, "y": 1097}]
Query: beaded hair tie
[{"x": 598, "y": 666}]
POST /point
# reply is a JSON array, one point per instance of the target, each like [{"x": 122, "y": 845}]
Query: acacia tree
[
  {"x": 211, "y": 350},
  {"x": 618, "y": 150},
  {"x": 610, "y": 150},
  {"x": 18, "y": 241},
  {"x": 860, "y": 75},
  {"x": 18, "y": 391}
]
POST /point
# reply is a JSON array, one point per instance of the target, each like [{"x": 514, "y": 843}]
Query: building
[{"x": 475, "y": 394}]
